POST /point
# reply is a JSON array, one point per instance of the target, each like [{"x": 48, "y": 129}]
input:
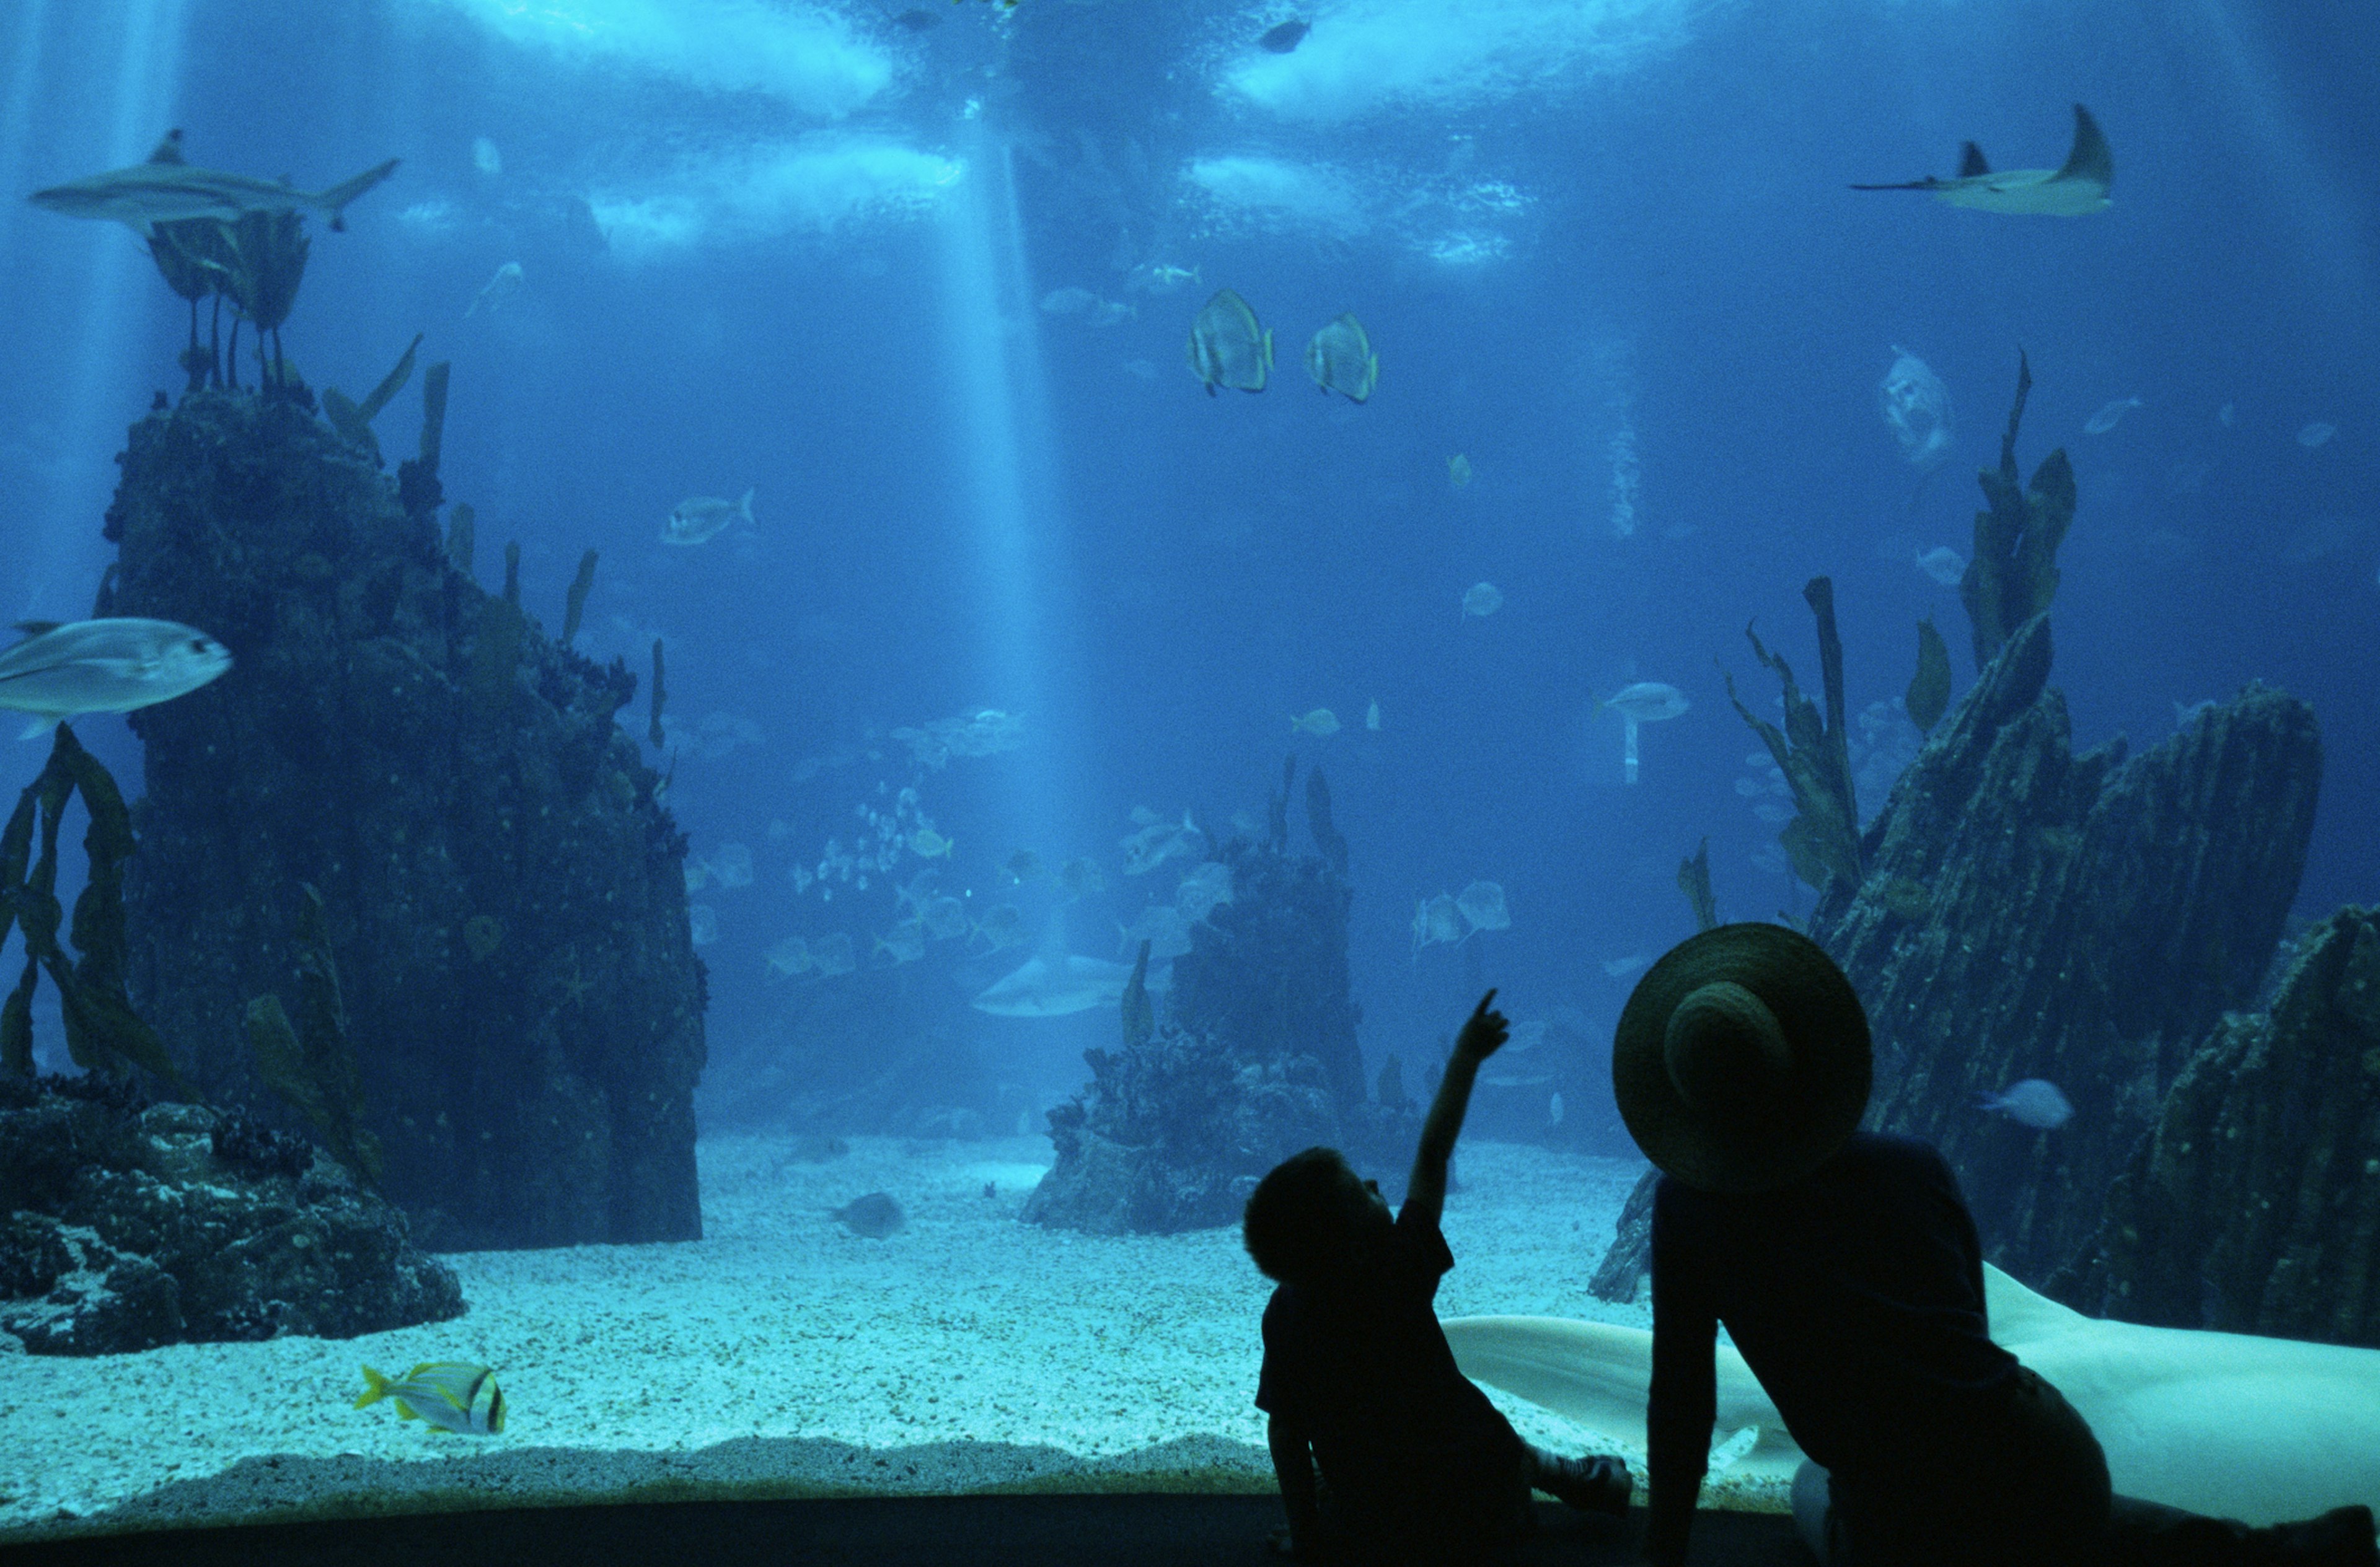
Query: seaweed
[
  {"x": 416, "y": 477},
  {"x": 104, "y": 1033},
  {"x": 1693, "y": 880},
  {"x": 1277, "y": 807},
  {"x": 353, "y": 420},
  {"x": 574, "y": 602},
  {"x": 310, "y": 1063},
  {"x": 1327, "y": 837},
  {"x": 460, "y": 545},
  {"x": 193, "y": 255},
  {"x": 1823, "y": 837},
  {"x": 268, "y": 262},
  {"x": 1139, "y": 1015},
  {"x": 655, "y": 733},
  {"x": 495, "y": 655},
  {"x": 2013, "y": 574},
  {"x": 1929, "y": 688}
]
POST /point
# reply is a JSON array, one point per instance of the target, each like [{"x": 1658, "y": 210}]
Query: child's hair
[{"x": 1296, "y": 1223}]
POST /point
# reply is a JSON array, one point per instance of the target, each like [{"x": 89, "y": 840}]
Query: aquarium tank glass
[{"x": 731, "y": 708}]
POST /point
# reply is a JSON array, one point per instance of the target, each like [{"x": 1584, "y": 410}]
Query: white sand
[{"x": 780, "y": 1355}]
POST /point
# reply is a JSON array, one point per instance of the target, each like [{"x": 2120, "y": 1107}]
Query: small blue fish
[
  {"x": 453, "y": 1395},
  {"x": 2035, "y": 1102}
]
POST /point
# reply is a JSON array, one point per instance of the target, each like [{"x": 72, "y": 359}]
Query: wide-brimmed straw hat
[{"x": 1741, "y": 1059}]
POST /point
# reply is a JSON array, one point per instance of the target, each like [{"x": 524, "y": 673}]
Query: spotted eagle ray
[
  {"x": 2076, "y": 187},
  {"x": 2262, "y": 1430}
]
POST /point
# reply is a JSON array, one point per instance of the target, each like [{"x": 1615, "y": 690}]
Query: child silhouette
[{"x": 1416, "y": 1465}]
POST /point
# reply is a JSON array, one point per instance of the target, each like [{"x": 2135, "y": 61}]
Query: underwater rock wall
[
  {"x": 1256, "y": 1059},
  {"x": 126, "y": 1225},
  {"x": 503, "y": 896},
  {"x": 2032, "y": 913},
  {"x": 2253, "y": 1205}
]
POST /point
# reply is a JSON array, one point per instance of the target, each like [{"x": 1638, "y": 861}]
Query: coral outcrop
[
  {"x": 2027, "y": 913},
  {"x": 2254, "y": 1204},
  {"x": 500, "y": 892},
  {"x": 125, "y": 1225},
  {"x": 1255, "y": 1059}
]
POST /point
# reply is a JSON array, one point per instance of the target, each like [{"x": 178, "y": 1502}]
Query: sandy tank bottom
[{"x": 782, "y": 1356}]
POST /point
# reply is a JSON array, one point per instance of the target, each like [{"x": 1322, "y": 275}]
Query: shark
[
  {"x": 2073, "y": 189},
  {"x": 2261, "y": 1429},
  {"x": 166, "y": 189},
  {"x": 1059, "y": 984}
]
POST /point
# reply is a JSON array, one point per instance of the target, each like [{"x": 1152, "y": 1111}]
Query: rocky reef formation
[
  {"x": 129, "y": 1225},
  {"x": 1255, "y": 1059},
  {"x": 2016, "y": 911},
  {"x": 2032, "y": 913},
  {"x": 501, "y": 897},
  {"x": 2026, "y": 912},
  {"x": 2254, "y": 1204}
]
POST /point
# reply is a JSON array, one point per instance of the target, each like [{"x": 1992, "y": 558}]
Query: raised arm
[{"x": 1481, "y": 1037}]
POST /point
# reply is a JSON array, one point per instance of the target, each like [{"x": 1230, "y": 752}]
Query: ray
[{"x": 2261, "y": 1429}]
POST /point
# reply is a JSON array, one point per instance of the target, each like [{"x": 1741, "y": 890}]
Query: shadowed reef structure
[
  {"x": 2017, "y": 910},
  {"x": 502, "y": 898},
  {"x": 1256, "y": 1058}
]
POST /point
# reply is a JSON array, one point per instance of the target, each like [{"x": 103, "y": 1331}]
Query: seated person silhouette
[
  {"x": 1417, "y": 1466},
  {"x": 1848, "y": 1272}
]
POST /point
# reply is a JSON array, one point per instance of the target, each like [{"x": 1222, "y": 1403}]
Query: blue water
[{"x": 1604, "y": 251}]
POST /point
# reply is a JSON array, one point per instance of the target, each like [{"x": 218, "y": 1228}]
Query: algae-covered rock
[
  {"x": 1255, "y": 1059},
  {"x": 2084, "y": 919},
  {"x": 129, "y": 1225},
  {"x": 2254, "y": 1204},
  {"x": 508, "y": 921},
  {"x": 2027, "y": 913}
]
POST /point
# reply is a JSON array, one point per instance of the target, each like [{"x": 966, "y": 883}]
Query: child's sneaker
[{"x": 1591, "y": 1485}]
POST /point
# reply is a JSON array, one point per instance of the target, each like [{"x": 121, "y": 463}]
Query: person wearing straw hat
[{"x": 1849, "y": 1273}]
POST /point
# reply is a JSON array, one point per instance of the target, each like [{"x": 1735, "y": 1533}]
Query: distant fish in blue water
[
  {"x": 1227, "y": 346},
  {"x": 1003, "y": 926},
  {"x": 1339, "y": 358},
  {"x": 1944, "y": 564},
  {"x": 2316, "y": 434},
  {"x": 2109, "y": 416},
  {"x": 453, "y": 1395},
  {"x": 905, "y": 943},
  {"x": 917, "y": 19},
  {"x": 2035, "y": 1102},
  {"x": 875, "y": 1215},
  {"x": 703, "y": 517},
  {"x": 497, "y": 292},
  {"x": 1287, "y": 36}
]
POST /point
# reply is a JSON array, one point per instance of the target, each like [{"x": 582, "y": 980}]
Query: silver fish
[
  {"x": 165, "y": 190},
  {"x": 500, "y": 288},
  {"x": 110, "y": 666},
  {"x": 703, "y": 517},
  {"x": 2032, "y": 1102},
  {"x": 1339, "y": 358},
  {"x": 1226, "y": 347}
]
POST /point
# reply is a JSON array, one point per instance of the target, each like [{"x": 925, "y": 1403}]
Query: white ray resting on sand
[{"x": 2235, "y": 1425}]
